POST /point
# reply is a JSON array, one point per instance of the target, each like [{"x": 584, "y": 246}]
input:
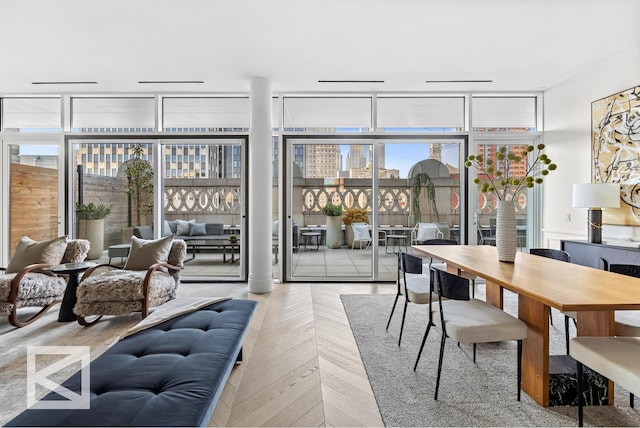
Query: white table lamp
[{"x": 596, "y": 196}]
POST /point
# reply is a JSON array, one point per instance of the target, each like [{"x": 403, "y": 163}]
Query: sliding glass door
[
  {"x": 485, "y": 208},
  {"x": 322, "y": 246},
  {"x": 385, "y": 186},
  {"x": 202, "y": 196},
  {"x": 191, "y": 188}
]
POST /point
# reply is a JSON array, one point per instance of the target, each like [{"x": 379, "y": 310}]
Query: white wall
[{"x": 567, "y": 124}]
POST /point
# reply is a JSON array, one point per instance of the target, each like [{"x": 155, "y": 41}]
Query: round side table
[{"x": 69, "y": 299}]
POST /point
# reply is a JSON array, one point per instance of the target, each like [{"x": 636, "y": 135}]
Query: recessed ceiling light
[
  {"x": 350, "y": 81},
  {"x": 169, "y": 82},
  {"x": 460, "y": 81},
  {"x": 64, "y": 83}
]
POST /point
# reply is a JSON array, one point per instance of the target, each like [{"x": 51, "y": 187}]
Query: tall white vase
[
  {"x": 506, "y": 238},
  {"x": 334, "y": 231}
]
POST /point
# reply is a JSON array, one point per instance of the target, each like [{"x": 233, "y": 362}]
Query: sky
[{"x": 403, "y": 156}]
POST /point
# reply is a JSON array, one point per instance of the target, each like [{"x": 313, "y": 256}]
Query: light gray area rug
[{"x": 480, "y": 394}]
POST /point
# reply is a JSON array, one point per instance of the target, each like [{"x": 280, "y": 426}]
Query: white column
[{"x": 260, "y": 179}]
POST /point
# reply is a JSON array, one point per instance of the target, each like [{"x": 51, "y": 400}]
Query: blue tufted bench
[{"x": 171, "y": 374}]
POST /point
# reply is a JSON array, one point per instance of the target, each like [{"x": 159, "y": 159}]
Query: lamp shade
[{"x": 596, "y": 195}]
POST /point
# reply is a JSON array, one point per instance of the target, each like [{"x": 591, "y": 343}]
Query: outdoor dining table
[{"x": 542, "y": 283}]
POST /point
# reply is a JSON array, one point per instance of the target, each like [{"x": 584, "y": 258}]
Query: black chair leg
[
  {"x": 519, "y": 367},
  {"x": 566, "y": 332},
  {"x": 393, "y": 308},
  {"x": 550, "y": 317},
  {"x": 580, "y": 397},
  {"x": 474, "y": 352},
  {"x": 404, "y": 315},
  {"x": 631, "y": 400},
  {"x": 444, "y": 337},
  {"x": 424, "y": 339}
]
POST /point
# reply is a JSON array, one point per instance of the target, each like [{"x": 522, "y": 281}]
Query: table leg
[
  {"x": 494, "y": 295},
  {"x": 69, "y": 300},
  {"x": 535, "y": 349},
  {"x": 193, "y": 253}
]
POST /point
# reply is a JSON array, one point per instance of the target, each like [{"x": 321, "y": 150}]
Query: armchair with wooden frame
[
  {"x": 149, "y": 278},
  {"x": 27, "y": 282}
]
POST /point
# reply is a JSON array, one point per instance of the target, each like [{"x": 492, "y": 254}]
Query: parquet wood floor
[{"x": 301, "y": 363}]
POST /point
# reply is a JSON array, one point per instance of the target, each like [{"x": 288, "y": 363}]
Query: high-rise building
[
  {"x": 322, "y": 160},
  {"x": 180, "y": 161}
]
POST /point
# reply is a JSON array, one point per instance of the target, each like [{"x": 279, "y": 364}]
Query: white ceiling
[{"x": 522, "y": 45}]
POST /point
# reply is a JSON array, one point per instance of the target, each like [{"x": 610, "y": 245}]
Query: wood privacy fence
[{"x": 34, "y": 203}]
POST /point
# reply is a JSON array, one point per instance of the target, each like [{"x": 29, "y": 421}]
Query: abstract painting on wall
[{"x": 615, "y": 152}]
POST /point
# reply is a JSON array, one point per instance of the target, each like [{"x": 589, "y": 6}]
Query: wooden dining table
[{"x": 542, "y": 283}]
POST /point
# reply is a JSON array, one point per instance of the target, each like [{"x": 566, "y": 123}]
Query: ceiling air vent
[
  {"x": 169, "y": 82},
  {"x": 63, "y": 83},
  {"x": 460, "y": 81},
  {"x": 350, "y": 81}
]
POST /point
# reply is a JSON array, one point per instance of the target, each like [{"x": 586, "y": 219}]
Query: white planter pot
[
  {"x": 506, "y": 237},
  {"x": 334, "y": 231},
  {"x": 348, "y": 235},
  {"x": 93, "y": 231}
]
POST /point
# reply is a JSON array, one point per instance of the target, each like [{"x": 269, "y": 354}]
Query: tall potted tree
[
  {"x": 91, "y": 226},
  {"x": 139, "y": 185}
]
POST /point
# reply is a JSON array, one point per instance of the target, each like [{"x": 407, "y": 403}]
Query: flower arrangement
[
  {"x": 355, "y": 215},
  {"x": 499, "y": 175},
  {"x": 332, "y": 210}
]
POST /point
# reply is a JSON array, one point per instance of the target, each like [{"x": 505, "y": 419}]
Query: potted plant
[
  {"x": 91, "y": 226},
  {"x": 353, "y": 215},
  {"x": 139, "y": 173},
  {"x": 419, "y": 181},
  {"x": 233, "y": 238},
  {"x": 139, "y": 183},
  {"x": 334, "y": 225}
]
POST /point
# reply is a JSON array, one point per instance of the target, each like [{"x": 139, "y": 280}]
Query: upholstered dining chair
[
  {"x": 627, "y": 323},
  {"x": 443, "y": 266},
  {"x": 411, "y": 284},
  {"x": 27, "y": 282},
  {"x": 563, "y": 256},
  {"x": 467, "y": 320},
  {"x": 149, "y": 278},
  {"x": 614, "y": 357}
]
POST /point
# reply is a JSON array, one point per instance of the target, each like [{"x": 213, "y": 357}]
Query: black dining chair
[
  {"x": 561, "y": 255},
  {"x": 443, "y": 266},
  {"x": 411, "y": 284},
  {"x": 467, "y": 320},
  {"x": 627, "y": 323}
]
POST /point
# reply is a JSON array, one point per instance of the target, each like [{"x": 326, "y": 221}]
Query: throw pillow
[
  {"x": 145, "y": 252},
  {"x": 30, "y": 252},
  {"x": 183, "y": 227},
  {"x": 166, "y": 228},
  {"x": 197, "y": 229}
]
